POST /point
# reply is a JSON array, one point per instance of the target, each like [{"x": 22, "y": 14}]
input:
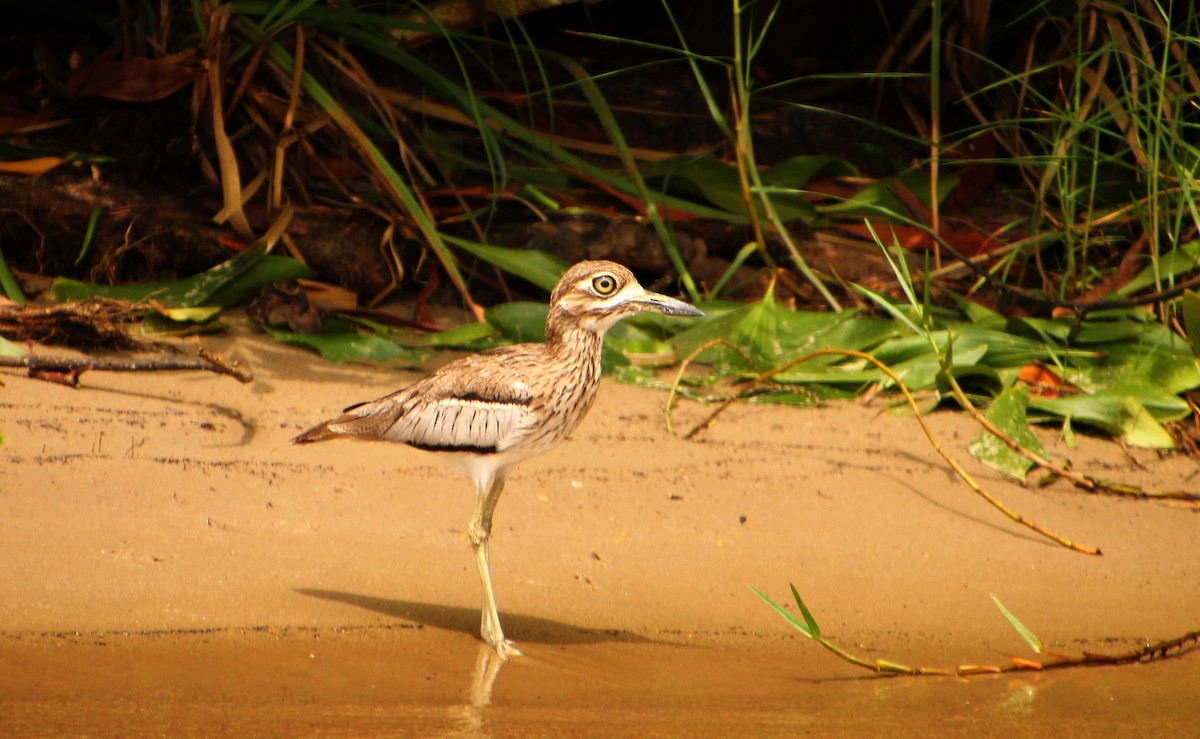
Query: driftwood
[
  {"x": 66, "y": 370},
  {"x": 84, "y": 324},
  {"x": 90, "y": 324}
]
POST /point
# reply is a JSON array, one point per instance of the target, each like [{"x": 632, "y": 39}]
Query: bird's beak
[{"x": 667, "y": 306}]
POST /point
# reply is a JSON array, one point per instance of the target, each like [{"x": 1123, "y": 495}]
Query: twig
[
  {"x": 1087, "y": 482},
  {"x": 679, "y": 379},
  {"x": 1146, "y": 653},
  {"x": 933, "y": 441},
  {"x": 206, "y": 360}
]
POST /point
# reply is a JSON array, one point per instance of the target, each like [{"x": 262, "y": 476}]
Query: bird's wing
[
  {"x": 465, "y": 408},
  {"x": 462, "y": 423}
]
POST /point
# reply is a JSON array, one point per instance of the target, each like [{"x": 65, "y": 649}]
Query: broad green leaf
[
  {"x": 720, "y": 184},
  {"x": 1172, "y": 265},
  {"x": 631, "y": 374},
  {"x": 201, "y": 314},
  {"x": 796, "y": 172},
  {"x": 157, "y": 324},
  {"x": 348, "y": 346},
  {"x": 816, "y": 372},
  {"x": 698, "y": 177},
  {"x": 1171, "y": 373},
  {"x": 224, "y": 285},
  {"x": 753, "y": 327},
  {"x": 537, "y": 267},
  {"x": 1030, "y": 638},
  {"x": 790, "y": 205},
  {"x": 9, "y": 349},
  {"x": 646, "y": 352},
  {"x": 1117, "y": 412},
  {"x": 758, "y": 331},
  {"x": 519, "y": 322},
  {"x": 651, "y": 326},
  {"x": 801, "y": 332},
  {"x": 979, "y": 315},
  {"x": 1100, "y": 327},
  {"x": 804, "y": 399},
  {"x": 1138, "y": 427},
  {"x": 922, "y": 372},
  {"x": 1189, "y": 305},
  {"x": 1112, "y": 332},
  {"x": 467, "y": 336},
  {"x": 1007, "y": 412},
  {"x": 612, "y": 358},
  {"x": 879, "y": 198},
  {"x": 9, "y": 287},
  {"x": 719, "y": 324},
  {"x": 1003, "y": 349},
  {"x": 979, "y": 380}
]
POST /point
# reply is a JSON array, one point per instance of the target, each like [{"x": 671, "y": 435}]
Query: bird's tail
[
  {"x": 316, "y": 433},
  {"x": 360, "y": 421}
]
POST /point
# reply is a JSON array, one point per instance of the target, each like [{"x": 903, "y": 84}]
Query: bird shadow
[{"x": 518, "y": 627}]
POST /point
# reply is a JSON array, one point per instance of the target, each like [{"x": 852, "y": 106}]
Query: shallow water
[{"x": 428, "y": 682}]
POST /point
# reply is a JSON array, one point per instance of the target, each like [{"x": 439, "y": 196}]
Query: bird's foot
[{"x": 505, "y": 648}]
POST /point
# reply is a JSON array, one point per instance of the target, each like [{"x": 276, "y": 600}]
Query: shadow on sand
[{"x": 520, "y": 627}]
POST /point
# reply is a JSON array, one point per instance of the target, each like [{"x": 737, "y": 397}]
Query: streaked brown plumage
[{"x": 489, "y": 411}]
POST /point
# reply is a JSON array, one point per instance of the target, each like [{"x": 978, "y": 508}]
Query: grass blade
[
  {"x": 806, "y": 627},
  {"x": 1030, "y": 638},
  {"x": 8, "y": 283}
]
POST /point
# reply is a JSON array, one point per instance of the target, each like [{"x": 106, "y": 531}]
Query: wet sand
[{"x": 172, "y": 566}]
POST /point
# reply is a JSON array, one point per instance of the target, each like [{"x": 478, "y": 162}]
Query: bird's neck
[{"x": 565, "y": 336}]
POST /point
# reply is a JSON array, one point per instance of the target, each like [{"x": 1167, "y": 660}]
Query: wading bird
[{"x": 488, "y": 412}]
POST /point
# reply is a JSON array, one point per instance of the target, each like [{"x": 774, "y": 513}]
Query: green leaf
[
  {"x": 979, "y": 315},
  {"x": 1172, "y": 265},
  {"x": 699, "y": 178},
  {"x": 519, "y": 322},
  {"x": 1189, "y": 305},
  {"x": 1007, "y": 412},
  {"x": 806, "y": 627},
  {"x": 1121, "y": 412},
  {"x": 8, "y": 284},
  {"x": 796, "y": 172},
  {"x": 879, "y": 198},
  {"x": 1138, "y": 427},
  {"x": 9, "y": 349},
  {"x": 538, "y": 267},
  {"x": 346, "y": 346},
  {"x": 719, "y": 183},
  {"x": 1030, "y": 638},
  {"x": 758, "y": 330},
  {"x": 224, "y": 285},
  {"x": 201, "y": 314},
  {"x": 475, "y": 335},
  {"x": 801, "y": 332},
  {"x": 1168, "y": 372},
  {"x": 813, "y": 628},
  {"x": 754, "y": 327}
]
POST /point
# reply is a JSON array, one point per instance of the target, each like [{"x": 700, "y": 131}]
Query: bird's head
[{"x": 597, "y": 294}]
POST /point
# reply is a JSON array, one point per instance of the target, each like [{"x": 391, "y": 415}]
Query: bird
[{"x": 485, "y": 413}]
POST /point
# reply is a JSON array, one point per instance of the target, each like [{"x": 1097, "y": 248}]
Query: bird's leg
[{"x": 486, "y": 497}]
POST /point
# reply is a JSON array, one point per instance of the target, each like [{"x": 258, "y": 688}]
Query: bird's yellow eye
[{"x": 605, "y": 285}]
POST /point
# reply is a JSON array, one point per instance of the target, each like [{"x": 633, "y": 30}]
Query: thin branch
[
  {"x": 1087, "y": 482},
  {"x": 74, "y": 366},
  {"x": 933, "y": 441},
  {"x": 1165, "y": 649}
]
